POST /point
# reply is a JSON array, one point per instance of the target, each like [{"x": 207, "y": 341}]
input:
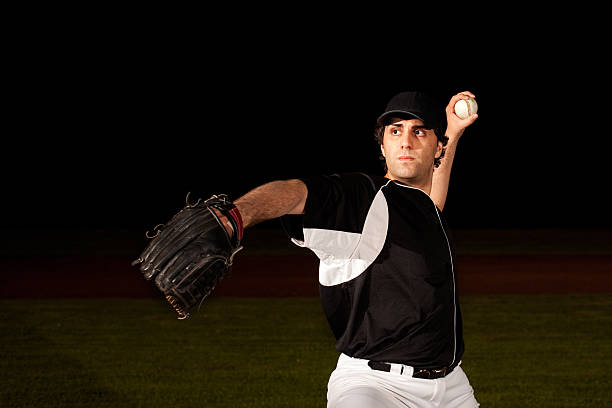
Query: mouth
[{"x": 405, "y": 158}]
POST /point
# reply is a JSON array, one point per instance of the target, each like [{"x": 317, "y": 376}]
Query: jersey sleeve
[{"x": 336, "y": 202}]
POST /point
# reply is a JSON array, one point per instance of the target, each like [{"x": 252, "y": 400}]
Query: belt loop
[
  {"x": 408, "y": 370},
  {"x": 396, "y": 368}
]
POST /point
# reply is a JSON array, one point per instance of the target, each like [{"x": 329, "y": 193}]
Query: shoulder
[
  {"x": 352, "y": 180},
  {"x": 341, "y": 192}
]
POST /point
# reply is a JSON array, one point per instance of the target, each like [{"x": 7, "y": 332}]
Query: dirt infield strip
[{"x": 296, "y": 275}]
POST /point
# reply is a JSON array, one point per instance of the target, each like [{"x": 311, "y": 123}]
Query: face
[{"x": 409, "y": 150}]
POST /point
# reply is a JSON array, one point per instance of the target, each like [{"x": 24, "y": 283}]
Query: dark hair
[{"x": 379, "y": 132}]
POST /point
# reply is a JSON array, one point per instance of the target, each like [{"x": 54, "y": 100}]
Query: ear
[
  {"x": 439, "y": 150},
  {"x": 382, "y": 149}
]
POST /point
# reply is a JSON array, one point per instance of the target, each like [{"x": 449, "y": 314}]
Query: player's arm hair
[
  {"x": 272, "y": 200},
  {"x": 442, "y": 173}
]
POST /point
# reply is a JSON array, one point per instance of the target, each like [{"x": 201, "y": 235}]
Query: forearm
[
  {"x": 455, "y": 128},
  {"x": 272, "y": 200},
  {"x": 441, "y": 175}
]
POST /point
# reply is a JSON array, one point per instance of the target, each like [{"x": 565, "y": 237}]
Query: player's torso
[{"x": 393, "y": 296}]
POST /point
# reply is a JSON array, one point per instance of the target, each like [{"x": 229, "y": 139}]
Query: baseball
[{"x": 466, "y": 107}]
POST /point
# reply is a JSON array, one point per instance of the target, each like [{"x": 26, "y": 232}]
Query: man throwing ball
[{"x": 387, "y": 266}]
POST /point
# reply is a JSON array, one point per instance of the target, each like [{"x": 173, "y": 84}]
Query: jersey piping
[{"x": 450, "y": 252}]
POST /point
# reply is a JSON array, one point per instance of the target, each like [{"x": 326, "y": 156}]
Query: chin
[{"x": 403, "y": 174}]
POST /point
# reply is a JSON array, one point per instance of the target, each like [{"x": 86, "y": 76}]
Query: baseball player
[
  {"x": 387, "y": 267},
  {"x": 387, "y": 274}
]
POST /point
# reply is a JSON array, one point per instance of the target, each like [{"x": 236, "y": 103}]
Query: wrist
[
  {"x": 235, "y": 214},
  {"x": 453, "y": 135},
  {"x": 231, "y": 219}
]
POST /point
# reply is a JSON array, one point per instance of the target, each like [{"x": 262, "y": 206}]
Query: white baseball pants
[{"x": 353, "y": 384}]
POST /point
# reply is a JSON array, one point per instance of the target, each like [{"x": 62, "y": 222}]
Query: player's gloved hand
[{"x": 192, "y": 252}]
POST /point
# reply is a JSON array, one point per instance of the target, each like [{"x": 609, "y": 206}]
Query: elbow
[{"x": 299, "y": 194}]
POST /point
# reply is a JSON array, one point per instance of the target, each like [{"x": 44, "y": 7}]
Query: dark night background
[
  {"x": 113, "y": 113},
  {"x": 113, "y": 131}
]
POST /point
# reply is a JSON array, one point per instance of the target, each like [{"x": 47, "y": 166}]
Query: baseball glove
[{"x": 192, "y": 252}]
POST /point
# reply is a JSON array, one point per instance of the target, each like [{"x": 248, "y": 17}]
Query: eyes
[{"x": 396, "y": 131}]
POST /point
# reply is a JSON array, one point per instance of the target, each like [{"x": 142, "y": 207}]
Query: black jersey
[{"x": 387, "y": 274}]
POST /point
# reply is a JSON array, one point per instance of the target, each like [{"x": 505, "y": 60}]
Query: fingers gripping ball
[
  {"x": 191, "y": 253},
  {"x": 466, "y": 107}
]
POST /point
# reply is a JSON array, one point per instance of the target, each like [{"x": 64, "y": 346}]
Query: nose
[{"x": 407, "y": 141}]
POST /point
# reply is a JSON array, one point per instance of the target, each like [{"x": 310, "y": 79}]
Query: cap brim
[{"x": 400, "y": 114}]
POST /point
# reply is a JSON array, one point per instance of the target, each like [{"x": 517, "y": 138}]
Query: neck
[{"x": 424, "y": 185}]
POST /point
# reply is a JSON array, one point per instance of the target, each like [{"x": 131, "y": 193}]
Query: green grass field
[{"x": 522, "y": 351}]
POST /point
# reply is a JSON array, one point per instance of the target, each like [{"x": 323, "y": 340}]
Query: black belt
[{"x": 426, "y": 373}]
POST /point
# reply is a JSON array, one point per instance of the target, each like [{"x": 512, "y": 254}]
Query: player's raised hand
[{"x": 455, "y": 125}]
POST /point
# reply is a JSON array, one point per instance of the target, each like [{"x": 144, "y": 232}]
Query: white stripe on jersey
[{"x": 346, "y": 255}]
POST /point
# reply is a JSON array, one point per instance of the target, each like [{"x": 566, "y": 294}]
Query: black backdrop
[{"x": 113, "y": 135}]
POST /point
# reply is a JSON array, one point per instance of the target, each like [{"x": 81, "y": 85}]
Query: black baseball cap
[{"x": 414, "y": 105}]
